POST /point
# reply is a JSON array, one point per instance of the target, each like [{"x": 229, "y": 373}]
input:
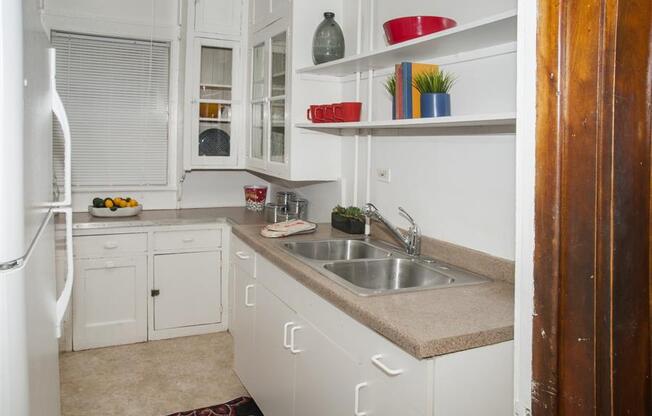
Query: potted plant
[
  {"x": 390, "y": 87},
  {"x": 434, "y": 87},
  {"x": 351, "y": 220}
]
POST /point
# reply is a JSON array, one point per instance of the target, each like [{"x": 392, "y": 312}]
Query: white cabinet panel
[
  {"x": 187, "y": 239},
  {"x": 189, "y": 289},
  {"x": 110, "y": 302},
  {"x": 261, "y": 12},
  {"x": 242, "y": 325},
  {"x": 273, "y": 385},
  {"x": 243, "y": 256},
  {"x": 218, "y": 16},
  {"x": 326, "y": 376},
  {"x": 109, "y": 245},
  {"x": 395, "y": 374}
]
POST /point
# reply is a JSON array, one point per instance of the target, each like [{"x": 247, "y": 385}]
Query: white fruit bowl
[{"x": 120, "y": 212}]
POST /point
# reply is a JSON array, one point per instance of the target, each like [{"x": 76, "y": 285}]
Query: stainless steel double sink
[{"x": 373, "y": 268}]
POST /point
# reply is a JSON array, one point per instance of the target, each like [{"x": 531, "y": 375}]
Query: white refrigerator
[{"x": 31, "y": 310}]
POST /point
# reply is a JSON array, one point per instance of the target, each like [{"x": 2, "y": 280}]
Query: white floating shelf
[
  {"x": 480, "y": 34},
  {"x": 482, "y": 120}
]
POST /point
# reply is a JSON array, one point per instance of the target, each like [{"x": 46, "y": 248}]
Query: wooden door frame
[{"x": 591, "y": 320}]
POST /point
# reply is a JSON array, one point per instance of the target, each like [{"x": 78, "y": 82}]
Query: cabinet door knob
[
  {"x": 247, "y": 303},
  {"x": 292, "y": 331},
  {"x": 242, "y": 255},
  {"x": 286, "y": 344},
  {"x": 109, "y": 265},
  {"x": 390, "y": 372},
  {"x": 155, "y": 292},
  {"x": 109, "y": 245},
  {"x": 188, "y": 240},
  {"x": 356, "y": 405}
]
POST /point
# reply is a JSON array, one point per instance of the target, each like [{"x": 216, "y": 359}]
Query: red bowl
[{"x": 406, "y": 28}]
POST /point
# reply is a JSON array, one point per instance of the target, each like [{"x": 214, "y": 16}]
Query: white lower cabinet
[
  {"x": 327, "y": 377},
  {"x": 134, "y": 284},
  {"x": 186, "y": 286},
  {"x": 109, "y": 302},
  {"x": 273, "y": 384},
  {"x": 310, "y": 358}
]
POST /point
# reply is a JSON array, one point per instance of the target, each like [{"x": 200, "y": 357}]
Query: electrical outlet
[{"x": 384, "y": 175}]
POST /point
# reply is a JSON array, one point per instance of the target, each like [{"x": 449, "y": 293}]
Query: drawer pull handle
[
  {"x": 286, "y": 344},
  {"x": 356, "y": 404},
  {"x": 376, "y": 360},
  {"x": 188, "y": 240},
  {"x": 109, "y": 265},
  {"x": 110, "y": 245},
  {"x": 292, "y": 331},
  {"x": 242, "y": 255},
  {"x": 247, "y": 296}
]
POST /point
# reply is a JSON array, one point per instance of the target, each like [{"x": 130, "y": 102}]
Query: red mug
[
  {"x": 347, "y": 111},
  {"x": 329, "y": 113},
  {"x": 315, "y": 114}
]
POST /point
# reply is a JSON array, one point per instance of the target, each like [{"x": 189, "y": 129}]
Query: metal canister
[
  {"x": 284, "y": 197},
  {"x": 275, "y": 213},
  {"x": 298, "y": 207}
]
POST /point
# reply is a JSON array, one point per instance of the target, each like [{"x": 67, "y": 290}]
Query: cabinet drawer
[
  {"x": 187, "y": 239},
  {"x": 243, "y": 256},
  {"x": 109, "y": 245}
]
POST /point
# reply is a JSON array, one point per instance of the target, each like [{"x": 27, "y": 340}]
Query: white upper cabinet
[
  {"x": 278, "y": 97},
  {"x": 213, "y": 119},
  {"x": 214, "y": 109},
  {"x": 268, "y": 140},
  {"x": 221, "y": 17},
  {"x": 266, "y": 12}
]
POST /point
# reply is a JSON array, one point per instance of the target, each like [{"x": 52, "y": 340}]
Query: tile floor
[{"x": 150, "y": 379}]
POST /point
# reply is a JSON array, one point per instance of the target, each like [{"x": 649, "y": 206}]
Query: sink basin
[
  {"x": 332, "y": 250},
  {"x": 396, "y": 274}
]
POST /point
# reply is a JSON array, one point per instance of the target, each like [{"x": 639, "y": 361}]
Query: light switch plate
[{"x": 384, "y": 175}]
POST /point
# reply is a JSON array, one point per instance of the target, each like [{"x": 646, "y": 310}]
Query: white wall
[{"x": 142, "y": 19}]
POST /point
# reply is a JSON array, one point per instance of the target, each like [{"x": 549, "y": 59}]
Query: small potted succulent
[
  {"x": 351, "y": 220},
  {"x": 390, "y": 87},
  {"x": 434, "y": 87}
]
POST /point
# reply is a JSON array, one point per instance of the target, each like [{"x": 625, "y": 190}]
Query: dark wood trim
[{"x": 591, "y": 324}]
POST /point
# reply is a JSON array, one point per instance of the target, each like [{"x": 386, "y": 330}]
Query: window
[{"x": 116, "y": 93}]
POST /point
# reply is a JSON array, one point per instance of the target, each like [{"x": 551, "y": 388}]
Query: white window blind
[{"x": 116, "y": 95}]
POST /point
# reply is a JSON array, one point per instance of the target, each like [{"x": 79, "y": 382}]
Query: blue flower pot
[{"x": 435, "y": 105}]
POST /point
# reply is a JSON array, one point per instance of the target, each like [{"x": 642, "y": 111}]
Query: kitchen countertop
[
  {"x": 424, "y": 323},
  {"x": 235, "y": 215}
]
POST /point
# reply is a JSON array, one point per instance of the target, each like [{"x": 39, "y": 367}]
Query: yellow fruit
[
  {"x": 133, "y": 203},
  {"x": 108, "y": 203}
]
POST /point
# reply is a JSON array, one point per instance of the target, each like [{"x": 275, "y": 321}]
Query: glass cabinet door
[
  {"x": 258, "y": 102},
  {"x": 213, "y": 129},
  {"x": 277, "y": 98},
  {"x": 268, "y": 140}
]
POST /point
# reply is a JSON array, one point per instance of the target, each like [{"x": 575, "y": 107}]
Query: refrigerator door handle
[
  {"x": 66, "y": 293},
  {"x": 60, "y": 112}
]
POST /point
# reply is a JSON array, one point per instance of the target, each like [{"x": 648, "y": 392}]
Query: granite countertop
[
  {"x": 235, "y": 215},
  {"x": 425, "y": 324}
]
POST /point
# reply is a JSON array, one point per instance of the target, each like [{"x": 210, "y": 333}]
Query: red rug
[{"x": 242, "y": 406}]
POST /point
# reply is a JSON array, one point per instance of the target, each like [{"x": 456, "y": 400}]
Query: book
[{"x": 398, "y": 102}]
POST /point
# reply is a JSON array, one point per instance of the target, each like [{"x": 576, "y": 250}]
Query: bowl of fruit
[{"x": 114, "y": 207}]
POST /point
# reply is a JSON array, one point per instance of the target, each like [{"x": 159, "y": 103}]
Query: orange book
[{"x": 418, "y": 68}]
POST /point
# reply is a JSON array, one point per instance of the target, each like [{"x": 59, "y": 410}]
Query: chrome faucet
[{"x": 411, "y": 240}]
